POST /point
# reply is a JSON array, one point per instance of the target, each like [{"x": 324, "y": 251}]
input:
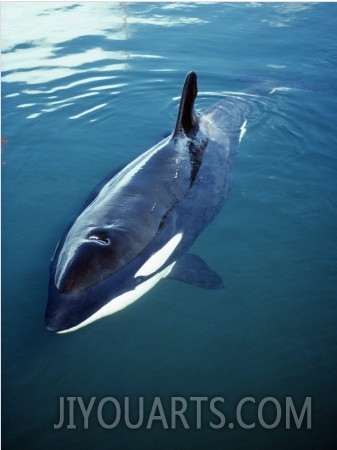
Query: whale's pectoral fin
[{"x": 193, "y": 270}]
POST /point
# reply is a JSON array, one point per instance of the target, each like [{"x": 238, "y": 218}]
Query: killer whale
[{"x": 137, "y": 227}]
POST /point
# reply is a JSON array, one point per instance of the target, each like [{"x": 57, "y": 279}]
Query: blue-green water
[{"x": 88, "y": 86}]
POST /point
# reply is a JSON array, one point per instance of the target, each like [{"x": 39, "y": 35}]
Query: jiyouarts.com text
[{"x": 191, "y": 412}]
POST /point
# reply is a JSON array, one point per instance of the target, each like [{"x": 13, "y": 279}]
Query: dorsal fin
[{"x": 186, "y": 117}]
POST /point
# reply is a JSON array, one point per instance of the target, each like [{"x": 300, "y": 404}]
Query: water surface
[{"x": 85, "y": 88}]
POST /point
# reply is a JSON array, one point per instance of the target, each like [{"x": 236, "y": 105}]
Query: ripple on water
[{"x": 54, "y": 53}]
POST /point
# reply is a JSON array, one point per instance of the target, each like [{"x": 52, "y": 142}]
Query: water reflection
[
  {"x": 285, "y": 14},
  {"x": 54, "y": 47}
]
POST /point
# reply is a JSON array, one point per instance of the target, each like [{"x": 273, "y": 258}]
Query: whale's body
[{"x": 137, "y": 227}]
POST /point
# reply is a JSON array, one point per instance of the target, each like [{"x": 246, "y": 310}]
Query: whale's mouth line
[
  {"x": 122, "y": 301},
  {"x": 151, "y": 273}
]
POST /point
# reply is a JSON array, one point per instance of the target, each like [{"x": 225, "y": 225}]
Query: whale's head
[
  {"x": 88, "y": 288},
  {"x": 91, "y": 266}
]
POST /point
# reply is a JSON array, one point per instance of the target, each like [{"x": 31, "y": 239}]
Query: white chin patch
[
  {"x": 158, "y": 259},
  {"x": 120, "y": 302}
]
